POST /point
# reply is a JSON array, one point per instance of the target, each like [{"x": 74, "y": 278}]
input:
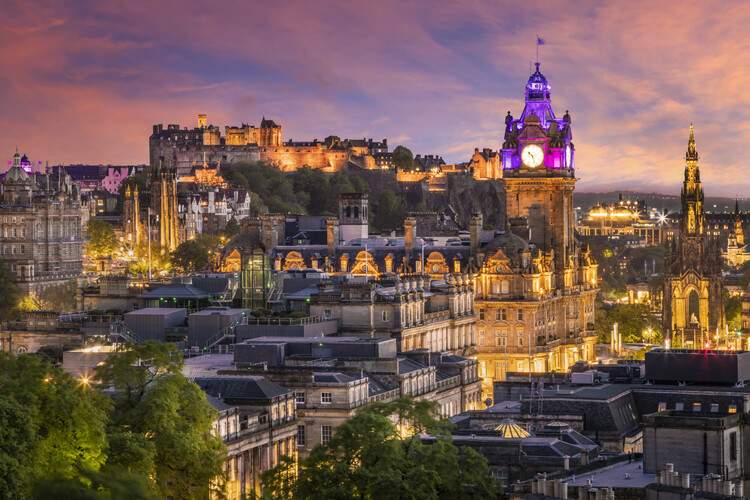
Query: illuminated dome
[
  {"x": 509, "y": 429},
  {"x": 537, "y": 88}
]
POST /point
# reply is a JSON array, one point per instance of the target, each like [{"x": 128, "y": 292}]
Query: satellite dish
[{"x": 488, "y": 402}]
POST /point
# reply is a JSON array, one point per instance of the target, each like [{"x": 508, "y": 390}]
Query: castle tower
[
  {"x": 202, "y": 121},
  {"x": 693, "y": 290},
  {"x": 538, "y": 171},
  {"x": 270, "y": 134},
  {"x": 353, "y": 216}
]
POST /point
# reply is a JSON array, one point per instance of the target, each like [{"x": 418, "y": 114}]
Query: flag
[{"x": 539, "y": 41}]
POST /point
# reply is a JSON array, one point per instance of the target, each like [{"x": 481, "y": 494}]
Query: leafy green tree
[
  {"x": 233, "y": 228},
  {"x": 162, "y": 422},
  {"x": 389, "y": 213},
  {"x": 190, "y": 256},
  {"x": 91, "y": 485},
  {"x": 312, "y": 185},
  {"x": 359, "y": 185},
  {"x": 52, "y": 424},
  {"x": 733, "y": 310},
  {"x": 403, "y": 159},
  {"x": 371, "y": 457},
  {"x": 102, "y": 238},
  {"x": 632, "y": 321},
  {"x": 269, "y": 183},
  {"x": 10, "y": 294},
  {"x": 60, "y": 298}
]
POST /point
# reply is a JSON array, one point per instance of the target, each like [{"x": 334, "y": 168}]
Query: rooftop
[{"x": 622, "y": 475}]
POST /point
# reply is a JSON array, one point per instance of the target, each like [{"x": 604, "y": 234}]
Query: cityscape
[{"x": 468, "y": 280}]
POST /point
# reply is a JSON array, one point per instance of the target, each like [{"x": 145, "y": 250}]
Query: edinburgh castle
[{"x": 184, "y": 148}]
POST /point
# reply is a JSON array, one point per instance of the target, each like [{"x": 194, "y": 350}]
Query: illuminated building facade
[
  {"x": 535, "y": 285},
  {"x": 624, "y": 217},
  {"x": 737, "y": 252},
  {"x": 40, "y": 227},
  {"x": 693, "y": 290},
  {"x": 248, "y": 143}
]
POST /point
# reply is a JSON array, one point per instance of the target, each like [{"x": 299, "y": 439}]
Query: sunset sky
[{"x": 84, "y": 81}]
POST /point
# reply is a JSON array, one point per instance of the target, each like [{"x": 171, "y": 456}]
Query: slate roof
[
  {"x": 218, "y": 404},
  {"x": 178, "y": 291},
  {"x": 240, "y": 388},
  {"x": 406, "y": 365},
  {"x": 335, "y": 378}
]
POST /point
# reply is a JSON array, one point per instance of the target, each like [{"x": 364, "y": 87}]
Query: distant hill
[{"x": 656, "y": 200}]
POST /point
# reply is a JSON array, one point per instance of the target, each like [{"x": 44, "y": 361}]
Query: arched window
[{"x": 356, "y": 212}]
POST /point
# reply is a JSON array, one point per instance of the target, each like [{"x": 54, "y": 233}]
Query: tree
[
  {"x": 190, "y": 256},
  {"x": 90, "y": 485},
  {"x": 632, "y": 321},
  {"x": 10, "y": 294},
  {"x": 102, "y": 238},
  {"x": 233, "y": 228},
  {"x": 162, "y": 422},
  {"x": 403, "y": 159},
  {"x": 59, "y": 298},
  {"x": 371, "y": 457},
  {"x": 389, "y": 213},
  {"x": 50, "y": 424},
  {"x": 733, "y": 311}
]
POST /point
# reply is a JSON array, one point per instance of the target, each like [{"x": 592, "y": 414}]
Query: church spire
[
  {"x": 692, "y": 154},
  {"x": 693, "y": 218}
]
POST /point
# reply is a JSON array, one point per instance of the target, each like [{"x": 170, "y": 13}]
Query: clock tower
[{"x": 538, "y": 161}]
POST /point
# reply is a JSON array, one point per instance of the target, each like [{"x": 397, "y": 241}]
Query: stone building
[
  {"x": 737, "y": 251},
  {"x": 693, "y": 297},
  {"x": 535, "y": 285},
  {"x": 258, "y": 424},
  {"x": 40, "y": 228},
  {"x": 194, "y": 146}
]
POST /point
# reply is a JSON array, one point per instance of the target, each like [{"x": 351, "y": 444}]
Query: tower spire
[{"x": 692, "y": 154}]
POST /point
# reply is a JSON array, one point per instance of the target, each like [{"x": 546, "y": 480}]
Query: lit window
[
  {"x": 714, "y": 408},
  {"x": 519, "y": 315},
  {"x": 696, "y": 407},
  {"x": 662, "y": 407},
  {"x": 732, "y": 408},
  {"x": 326, "y": 398}
]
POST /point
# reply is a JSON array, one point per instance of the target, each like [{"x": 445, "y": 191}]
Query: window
[
  {"x": 732, "y": 408},
  {"x": 696, "y": 407},
  {"x": 300, "y": 398},
  {"x": 503, "y": 314},
  {"x": 326, "y": 398},
  {"x": 325, "y": 434},
  {"x": 733, "y": 446},
  {"x": 519, "y": 314},
  {"x": 385, "y": 316},
  {"x": 300, "y": 435},
  {"x": 506, "y": 287},
  {"x": 327, "y": 314},
  {"x": 679, "y": 406},
  {"x": 500, "y": 341},
  {"x": 714, "y": 408},
  {"x": 520, "y": 341},
  {"x": 274, "y": 413},
  {"x": 495, "y": 287},
  {"x": 498, "y": 314},
  {"x": 481, "y": 314},
  {"x": 662, "y": 407}
]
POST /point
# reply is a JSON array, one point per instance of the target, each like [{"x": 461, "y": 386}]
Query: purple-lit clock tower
[{"x": 538, "y": 160}]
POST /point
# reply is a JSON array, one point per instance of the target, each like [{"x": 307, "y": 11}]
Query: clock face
[
  {"x": 568, "y": 156},
  {"x": 532, "y": 155}
]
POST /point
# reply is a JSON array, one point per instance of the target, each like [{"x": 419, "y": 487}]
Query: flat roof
[
  {"x": 220, "y": 311},
  {"x": 315, "y": 340},
  {"x": 207, "y": 365},
  {"x": 150, "y": 311},
  {"x": 615, "y": 476},
  {"x": 607, "y": 391}
]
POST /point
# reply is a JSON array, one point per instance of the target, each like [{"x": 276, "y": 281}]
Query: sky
[{"x": 83, "y": 81}]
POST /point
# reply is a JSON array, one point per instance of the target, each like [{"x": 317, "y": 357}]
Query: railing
[
  {"x": 117, "y": 330},
  {"x": 224, "y": 333},
  {"x": 436, "y": 316},
  {"x": 269, "y": 320}
]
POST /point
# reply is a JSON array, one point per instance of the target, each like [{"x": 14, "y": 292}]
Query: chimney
[
  {"x": 475, "y": 229},
  {"x": 410, "y": 234},
  {"x": 332, "y": 236}
]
